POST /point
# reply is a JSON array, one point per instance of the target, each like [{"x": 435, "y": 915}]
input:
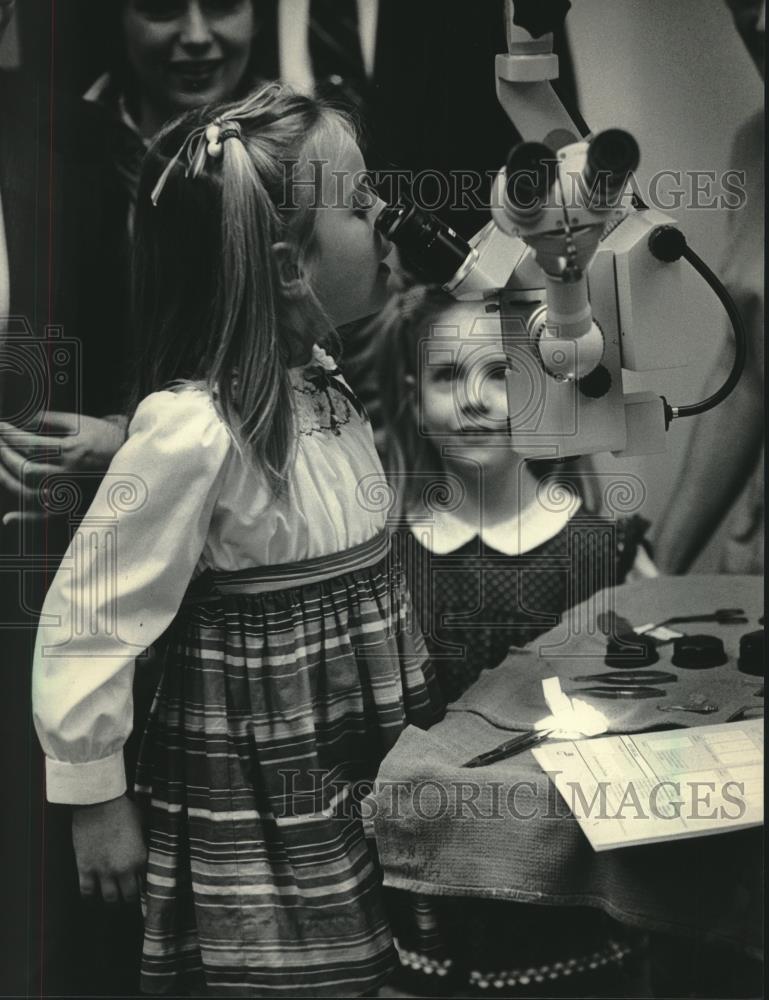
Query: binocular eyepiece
[
  {"x": 428, "y": 246},
  {"x": 612, "y": 156},
  {"x": 439, "y": 255},
  {"x": 531, "y": 171}
]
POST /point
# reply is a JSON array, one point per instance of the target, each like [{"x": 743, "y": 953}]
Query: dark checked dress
[
  {"x": 290, "y": 672},
  {"x": 475, "y": 598}
]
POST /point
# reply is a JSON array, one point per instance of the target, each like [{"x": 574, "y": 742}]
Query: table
[{"x": 504, "y": 833}]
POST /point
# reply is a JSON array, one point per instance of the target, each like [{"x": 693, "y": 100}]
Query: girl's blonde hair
[
  {"x": 396, "y": 334},
  {"x": 395, "y": 340},
  {"x": 207, "y": 284}
]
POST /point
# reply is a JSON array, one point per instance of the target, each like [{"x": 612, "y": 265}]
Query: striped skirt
[{"x": 273, "y": 714}]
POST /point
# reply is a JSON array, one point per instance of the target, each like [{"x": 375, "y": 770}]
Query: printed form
[{"x": 650, "y": 787}]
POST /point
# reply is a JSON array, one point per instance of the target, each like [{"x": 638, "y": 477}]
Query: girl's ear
[
  {"x": 292, "y": 284},
  {"x": 411, "y": 385}
]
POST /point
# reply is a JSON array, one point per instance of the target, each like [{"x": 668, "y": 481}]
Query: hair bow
[{"x": 205, "y": 140}]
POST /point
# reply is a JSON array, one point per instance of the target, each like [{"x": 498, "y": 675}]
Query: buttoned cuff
[{"x": 85, "y": 784}]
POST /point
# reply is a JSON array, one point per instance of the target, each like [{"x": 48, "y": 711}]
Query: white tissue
[{"x": 570, "y": 718}]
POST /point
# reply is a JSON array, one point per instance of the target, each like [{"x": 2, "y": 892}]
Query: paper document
[{"x": 649, "y": 787}]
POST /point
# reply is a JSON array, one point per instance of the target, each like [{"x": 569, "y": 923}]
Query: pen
[{"x": 509, "y": 748}]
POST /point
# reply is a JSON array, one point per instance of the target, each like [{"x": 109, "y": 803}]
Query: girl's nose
[
  {"x": 196, "y": 31},
  {"x": 386, "y": 248},
  {"x": 385, "y": 244}
]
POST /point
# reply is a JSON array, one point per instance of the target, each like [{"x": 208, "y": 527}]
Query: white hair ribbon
[{"x": 201, "y": 141}]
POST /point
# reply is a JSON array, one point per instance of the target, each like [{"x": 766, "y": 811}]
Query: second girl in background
[{"x": 495, "y": 548}]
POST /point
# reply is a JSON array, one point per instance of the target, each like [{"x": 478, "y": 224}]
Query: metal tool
[
  {"x": 722, "y": 616},
  {"x": 524, "y": 741},
  {"x": 742, "y": 713},
  {"x": 699, "y": 707},
  {"x": 630, "y": 678},
  {"x": 620, "y": 692}
]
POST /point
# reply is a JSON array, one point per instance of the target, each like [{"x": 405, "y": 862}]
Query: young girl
[
  {"x": 236, "y": 518},
  {"x": 495, "y": 549}
]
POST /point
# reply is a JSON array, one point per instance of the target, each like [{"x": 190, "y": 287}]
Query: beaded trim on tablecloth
[{"x": 613, "y": 953}]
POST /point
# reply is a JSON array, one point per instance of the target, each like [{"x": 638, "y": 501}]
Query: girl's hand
[
  {"x": 74, "y": 443},
  {"x": 109, "y": 850}
]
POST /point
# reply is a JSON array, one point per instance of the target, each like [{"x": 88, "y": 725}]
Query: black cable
[
  {"x": 660, "y": 244},
  {"x": 740, "y": 339}
]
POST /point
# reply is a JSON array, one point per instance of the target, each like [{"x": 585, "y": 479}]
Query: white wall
[{"x": 676, "y": 74}]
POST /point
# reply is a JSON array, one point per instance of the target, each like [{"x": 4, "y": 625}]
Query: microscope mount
[{"x": 590, "y": 276}]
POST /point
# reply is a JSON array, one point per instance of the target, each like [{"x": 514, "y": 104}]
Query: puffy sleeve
[{"x": 118, "y": 588}]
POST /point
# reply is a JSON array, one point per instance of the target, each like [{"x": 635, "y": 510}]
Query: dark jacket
[
  {"x": 64, "y": 219},
  {"x": 66, "y": 230}
]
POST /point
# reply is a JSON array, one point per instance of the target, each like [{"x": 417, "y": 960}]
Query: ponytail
[
  {"x": 212, "y": 204},
  {"x": 252, "y": 378}
]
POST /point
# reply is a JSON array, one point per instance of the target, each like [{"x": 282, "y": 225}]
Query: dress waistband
[{"x": 283, "y": 576}]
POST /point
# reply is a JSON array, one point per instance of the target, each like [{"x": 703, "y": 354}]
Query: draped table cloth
[{"x": 502, "y": 832}]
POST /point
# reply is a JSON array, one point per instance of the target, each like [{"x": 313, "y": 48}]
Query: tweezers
[
  {"x": 629, "y": 678},
  {"x": 619, "y": 692},
  {"x": 524, "y": 741}
]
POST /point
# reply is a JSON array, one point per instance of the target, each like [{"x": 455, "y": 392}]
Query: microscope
[{"x": 586, "y": 277}]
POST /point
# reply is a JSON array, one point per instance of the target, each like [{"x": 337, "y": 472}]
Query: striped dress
[{"x": 291, "y": 666}]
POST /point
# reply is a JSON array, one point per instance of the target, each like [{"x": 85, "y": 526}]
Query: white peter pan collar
[{"x": 522, "y": 533}]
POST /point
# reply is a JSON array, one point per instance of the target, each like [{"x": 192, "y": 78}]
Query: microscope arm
[{"x": 524, "y": 73}]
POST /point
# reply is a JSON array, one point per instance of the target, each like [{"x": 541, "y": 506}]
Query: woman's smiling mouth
[{"x": 196, "y": 71}]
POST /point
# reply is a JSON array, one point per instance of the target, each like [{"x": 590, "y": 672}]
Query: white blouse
[{"x": 179, "y": 498}]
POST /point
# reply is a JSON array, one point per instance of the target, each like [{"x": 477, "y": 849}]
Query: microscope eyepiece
[
  {"x": 531, "y": 171},
  {"x": 611, "y": 157},
  {"x": 428, "y": 246},
  {"x": 389, "y": 219}
]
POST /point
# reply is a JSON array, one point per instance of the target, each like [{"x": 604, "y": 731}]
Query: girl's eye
[
  {"x": 445, "y": 373},
  {"x": 496, "y": 371}
]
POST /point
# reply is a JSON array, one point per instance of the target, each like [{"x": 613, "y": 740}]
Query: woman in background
[
  {"x": 166, "y": 57},
  {"x": 163, "y": 57}
]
